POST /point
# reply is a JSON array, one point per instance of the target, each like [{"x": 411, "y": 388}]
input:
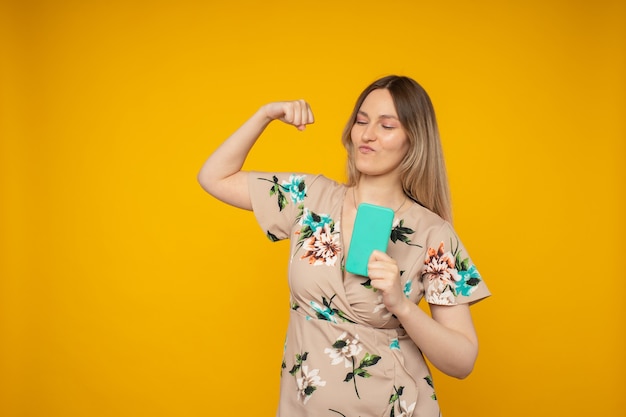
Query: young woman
[{"x": 355, "y": 343}]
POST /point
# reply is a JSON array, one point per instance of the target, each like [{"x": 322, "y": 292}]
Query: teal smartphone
[{"x": 372, "y": 230}]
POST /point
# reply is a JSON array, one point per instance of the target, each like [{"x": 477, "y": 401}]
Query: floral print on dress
[
  {"x": 327, "y": 312},
  {"x": 322, "y": 247},
  {"x": 408, "y": 288},
  {"x": 404, "y": 410},
  {"x": 308, "y": 383},
  {"x": 429, "y": 381},
  {"x": 349, "y": 360},
  {"x": 347, "y": 349},
  {"x": 399, "y": 233},
  {"x": 395, "y": 344},
  {"x": 295, "y": 187},
  {"x": 380, "y": 307},
  {"x": 449, "y": 275},
  {"x": 307, "y": 380},
  {"x": 319, "y": 234},
  {"x": 344, "y": 349},
  {"x": 469, "y": 280},
  {"x": 319, "y": 238}
]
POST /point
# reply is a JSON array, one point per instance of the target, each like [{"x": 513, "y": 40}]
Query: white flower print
[
  {"x": 435, "y": 295},
  {"x": 308, "y": 383},
  {"x": 322, "y": 248},
  {"x": 381, "y": 306},
  {"x": 404, "y": 410},
  {"x": 344, "y": 350}
]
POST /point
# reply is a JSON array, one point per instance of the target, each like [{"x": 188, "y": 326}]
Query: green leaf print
[
  {"x": 368, "y": 284},
  {"x": 403, "y": 408},
  {"x": 470, "y": 277},
  {"x": 272, "y": 236},
  {"x": 280, "y": 190},
  {"x": 305, "y": 233},
  {"x": 368, "y": 360},
  {"x": 277, "y": 189},
  {"x": 327, "y": 312},
  {"x": 461, "y": 264},
  {"x": 298, "y": 364},
  {"x": 340, "y": 344},
  {"x": 429, "y": 381},
  {"x": 399, "y": 233},
  {"x": 396, "y": 395},
  {"x": 473, "y": 281}
]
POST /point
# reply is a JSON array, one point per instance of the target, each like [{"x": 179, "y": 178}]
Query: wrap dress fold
[{"x": 345, "y": 354}]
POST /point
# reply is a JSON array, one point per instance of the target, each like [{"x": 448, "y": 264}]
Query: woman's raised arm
[{"x": 221, "y": 175}]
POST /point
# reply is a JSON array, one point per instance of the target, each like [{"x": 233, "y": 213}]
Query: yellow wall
[{"x": 127, "y": 291}]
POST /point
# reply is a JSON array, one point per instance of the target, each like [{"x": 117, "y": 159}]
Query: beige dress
[{"x": 345, "y": 354}]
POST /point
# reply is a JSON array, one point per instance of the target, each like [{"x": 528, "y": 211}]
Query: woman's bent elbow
[
  {"x": 211, "y": 187},
  {"x": 464, "y": 372},
  {"x": 465, "y": 367},
  {"x": 204, "y": 182},
  {"x": 232, "y": 190}
]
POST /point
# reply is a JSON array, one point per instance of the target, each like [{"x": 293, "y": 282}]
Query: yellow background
[{"x": 125, "y": 290}]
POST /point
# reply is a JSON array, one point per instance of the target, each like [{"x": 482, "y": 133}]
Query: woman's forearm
[{"x": 450, "y": 344}]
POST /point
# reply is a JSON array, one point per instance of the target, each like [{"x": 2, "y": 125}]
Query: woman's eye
[
  {"x": 386, "y": 127},
  {"x": 360, "y": 122}
]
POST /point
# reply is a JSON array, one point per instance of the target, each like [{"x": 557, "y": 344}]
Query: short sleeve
[
  {"x": 277, "y": 198},
  {"x": 449, "y": 275}
]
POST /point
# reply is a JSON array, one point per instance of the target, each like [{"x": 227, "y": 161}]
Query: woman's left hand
[{"x": 384, "y": 274}]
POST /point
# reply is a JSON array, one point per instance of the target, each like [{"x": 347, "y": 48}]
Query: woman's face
[{"x": 380, "y": 142}]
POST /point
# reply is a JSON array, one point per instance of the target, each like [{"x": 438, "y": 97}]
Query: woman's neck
[{"x": 380, "y": 192}]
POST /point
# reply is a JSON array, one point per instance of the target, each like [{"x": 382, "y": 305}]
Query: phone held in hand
[{"x": 372, "y": 229}]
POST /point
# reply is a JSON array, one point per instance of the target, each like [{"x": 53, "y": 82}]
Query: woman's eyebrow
[{"x": 382, "y": 116}]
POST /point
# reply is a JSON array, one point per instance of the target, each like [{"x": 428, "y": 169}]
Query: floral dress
[{"x": 345, "y": 354}]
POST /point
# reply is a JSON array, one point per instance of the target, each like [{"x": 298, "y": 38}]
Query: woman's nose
[{"x": 368, "y": 133}]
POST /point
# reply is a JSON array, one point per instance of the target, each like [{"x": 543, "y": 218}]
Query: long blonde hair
[{"x": 422, "y": 171}]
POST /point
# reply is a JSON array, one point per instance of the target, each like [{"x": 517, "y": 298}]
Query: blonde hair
[{"x": 423, "y": 170}]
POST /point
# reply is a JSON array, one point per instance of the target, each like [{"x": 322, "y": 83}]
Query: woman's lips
[{"x": 365, "y": 149}]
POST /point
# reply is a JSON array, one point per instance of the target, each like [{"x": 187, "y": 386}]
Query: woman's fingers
[
  {"x": 297, "y": 113},
  {"x": 384, "y": 274},
  {"x": 301, "y": 114},
  {"x": 311, "y": 118},
  {"x": 382, "y": 266}
]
